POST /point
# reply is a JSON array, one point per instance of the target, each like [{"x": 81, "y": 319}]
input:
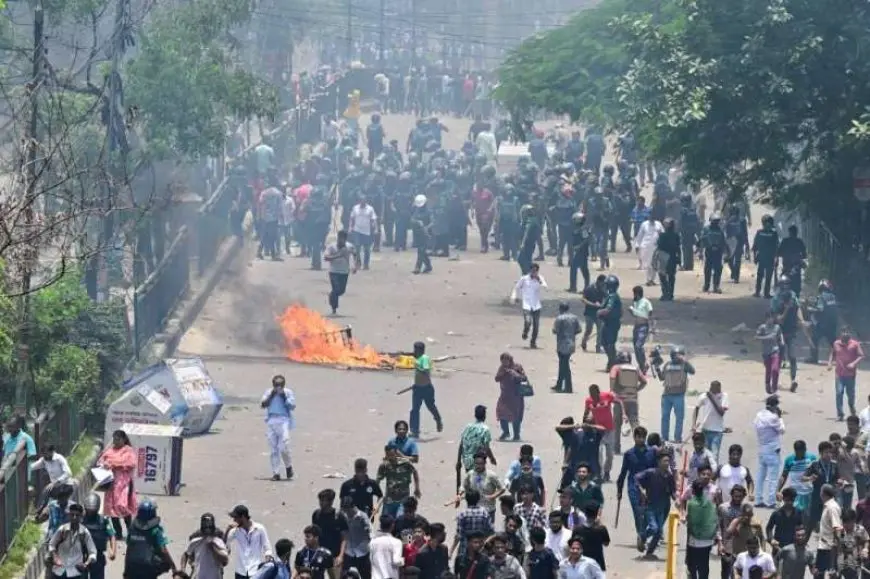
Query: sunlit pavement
[{"x": 459, "y": 309}]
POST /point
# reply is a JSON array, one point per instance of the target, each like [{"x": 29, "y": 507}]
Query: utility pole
[
  {"x": 30, "y": 254},
  {"x": 349, "y": 32},
  {"x": 381, "y": 35}
]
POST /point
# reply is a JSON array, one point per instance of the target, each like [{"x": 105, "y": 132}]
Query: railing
[
  {"x": 846, "y": 267},
  {"x": 61, "y": 427},
  {"x": 156, "y": 298},
  {"x": 14, "y": 506}
]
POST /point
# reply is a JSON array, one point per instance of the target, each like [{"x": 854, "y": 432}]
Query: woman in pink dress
[
  {"x": 511, "y": 405},
  {"x": 120, "y": 501}
]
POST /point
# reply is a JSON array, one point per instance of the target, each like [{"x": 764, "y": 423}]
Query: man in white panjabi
[
  {"x": 279, "y": 404},
  {"x": 645, "y": 242}
]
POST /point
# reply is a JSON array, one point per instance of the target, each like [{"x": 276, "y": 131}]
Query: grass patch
[
  {"x": 80, "y": 454},
  {"x": 26, "y": 539},
  {"x": 30, "y": 534}
]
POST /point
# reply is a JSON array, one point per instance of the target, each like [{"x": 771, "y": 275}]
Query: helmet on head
[
  {"x": 678, "y": 351},
  {"x": 488, "y": 172},
  {"x": 578, "y": 217},
  {"x": 686, "y": 198},
  {"x": 611, "y": 283},
  {"x": 526, "y": 209},
  {"x": 92, "y": 502},
  {"x": 767, "y": 220},
  {"x": 715, "y": 217},
  {"x": 419, "y": 200},
  {"x": 376, "y": 118},
  {"x": 784, "y": 281},
  {"x": 147, "y": 510}
]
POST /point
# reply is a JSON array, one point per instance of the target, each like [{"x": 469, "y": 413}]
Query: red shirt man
[
  {"x": 600, "y": 405},
  {"x": 483, "y": 202},
  {"x": 846, "y": 354}
]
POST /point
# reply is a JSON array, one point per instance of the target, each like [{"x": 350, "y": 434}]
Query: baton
[
  {"x": 618, "y": 507},
  {"x": 403, "y": 390}
]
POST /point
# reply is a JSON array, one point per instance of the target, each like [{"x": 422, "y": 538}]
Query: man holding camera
[{"x": 279, "y": 404}]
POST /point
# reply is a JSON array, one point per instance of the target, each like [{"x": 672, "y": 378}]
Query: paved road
[{"x": 459, "y": 309}]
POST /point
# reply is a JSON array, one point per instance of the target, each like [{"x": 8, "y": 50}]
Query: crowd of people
[{"x": 512, "y": 526}]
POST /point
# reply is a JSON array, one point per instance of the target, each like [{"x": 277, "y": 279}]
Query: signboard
[{"x": 158, "y": 449}]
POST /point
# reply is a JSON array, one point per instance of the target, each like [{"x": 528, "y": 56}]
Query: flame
[{"x": 312, "y": 339}]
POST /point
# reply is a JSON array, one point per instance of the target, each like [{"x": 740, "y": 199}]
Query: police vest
[
  {"x": 627, "y": 382},
  {"x": 676, "y": 380},
  {"x": 318, "y": 211},
  {"x": 97, "y": 528},
  {"x": 689, "y": 221},
  {"x": 141, "y": 547},
  {"x": 715, "y": 241},
  {"x": 507, "y": 210}
]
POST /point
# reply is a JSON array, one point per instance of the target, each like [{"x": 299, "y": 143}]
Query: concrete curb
[
  {"x": 36, "y": 568},
  {"x": 191, "y": 305}
]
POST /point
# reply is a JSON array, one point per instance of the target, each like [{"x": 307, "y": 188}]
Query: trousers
[
  {"x": 421, "y": 395},
  {"x": 564, "y": 381},
  {"x": 338, "y": 285},
  {"x": 531, "y": 320},
  {"x": 278, "y": 435},
  {"x": 677, "y": 403}
]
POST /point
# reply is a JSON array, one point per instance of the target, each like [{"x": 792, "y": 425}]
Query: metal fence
[
  {"x": 156, "y": 298},
  {"x": 61, "y": 427},
  {"x": 846, "y": 267}
]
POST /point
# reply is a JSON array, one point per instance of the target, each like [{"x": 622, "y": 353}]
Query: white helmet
[{"x": 419, "y": 201}]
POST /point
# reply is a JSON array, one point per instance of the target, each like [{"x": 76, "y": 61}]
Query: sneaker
[
  {"x": 794, "y": 386},
  {"x": 289, "y": 472},
  {"x": 276, "y": 476},
  {"x": 439, "y": 427},
  {"x": 641, "y": 544}
]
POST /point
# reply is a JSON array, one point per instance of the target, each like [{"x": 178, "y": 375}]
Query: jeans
[
  {"x": 423, "y": 395},
  {"x": 790, "y": 354},
  {"x": 713, "y": 442},
  {"x": 712, "y": 271},
  {"x": 395, "y": 510},
  {"x": 363, "y": 242},
  {"x": 592, "y": 322},
  {"x": 656, "y": 515},
  {"x": 845, "y": 384},
  {"x": 677, "y": 403},
  {"x": 531, "y": 319},
  {"x": 601, "y": 248},
  {"x": 338, "y": 284},
  {"x": 563, "y": 382},
  {"x": 768, "y": 473},
  {"x": 608, "y": 440},
  {"x": 579, "y": 261},
  {"x": 698, "y": 562},
  {"x": 764, "y": 275},
  {"x": 423, "y": 261},
  {"x": 638, "y": 337}
]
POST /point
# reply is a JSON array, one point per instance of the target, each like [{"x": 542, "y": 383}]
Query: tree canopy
[{"x": 772, "y": 95}]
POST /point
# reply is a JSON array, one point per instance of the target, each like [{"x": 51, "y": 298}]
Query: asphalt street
[{"x": 461, "y": 309}]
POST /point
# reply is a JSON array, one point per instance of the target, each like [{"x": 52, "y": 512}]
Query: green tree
[
  {"x": 185, "y": 81},
  {"x": 754, "y": 93}
]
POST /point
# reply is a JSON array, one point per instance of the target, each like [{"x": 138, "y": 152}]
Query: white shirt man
[
  {"x": 746, "y": 561},
  {"x": 529, "y": 289},
  {"x": 386, "y": 556},
  {"x": 264, "y": 156},
  {"x": 363, "y": 219},
  {"x": 56, "y": 467},
  {"x": 248, "y": 545},
  {"x": 279, "y": 404},
  {"x": 288, "y": 210},
  {"x": 558, "y": 543},
  {"x": 769, "y": 428},
  {"x": 864, "y": 417},
  {"x": 486, "y": 144},
  {"x": 71, "y": 547},
  {"x": 645, "y": 243}
]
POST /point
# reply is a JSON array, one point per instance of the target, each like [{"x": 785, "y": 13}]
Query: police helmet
[
  {"x": 92, "y": 502},
  {"x": 686, "y": 198},
  {"x": 376, "y": 118},
  {"x": 715, "y": 217},
  {"x": 578, "y": 217},
  {"x": 784, "y": 281},
  {"x": 526, "y": 209},
  {"x": 611, "y": 283},
  {"x": 767, "y": 219},
  {"x": 405, "y": 176},
  {"x": 147, "y": 510},
  {"x": 678, "y": 351},
  {"x": 413, "y": 158},
  {"x": 419, "y": 200},
  {"x": 509, "y": 189},
  {"x": 488, "y": 172}
]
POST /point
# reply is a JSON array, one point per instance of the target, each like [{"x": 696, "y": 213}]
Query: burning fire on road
[{"x": 312, "y": 339}]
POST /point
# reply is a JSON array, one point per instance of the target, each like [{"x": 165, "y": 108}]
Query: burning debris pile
[{"x": 312, "y": 339}]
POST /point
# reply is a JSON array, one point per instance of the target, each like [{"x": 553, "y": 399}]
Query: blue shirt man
[
  {"x": 279, "y": 404},
  {"x": 406, "y": 445},
  {"x": 514, "y": 470}
]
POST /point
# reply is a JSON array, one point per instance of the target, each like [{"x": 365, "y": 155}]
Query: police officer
[
  {"x": 403, "y": 202},
  {"x": 562, "y": 214},
  {"x": 102, "y": 533},
  {"x": 793, "y": 254},
  {"x": 147, "y": 556},
  {"x": 509, "y": 223},
  {"x": 625, "y": 382},
  {"x": 690, "y": 227},
  {"x": 737, "y": 238},
  {"x": 531, "y": 227},
  {"x": 580, "y": 239},
  {"x": 675, "y": 380},
  {"x": 421, "y": 219},
  {"x": 669, "y": 245},
  {"x": 611, "y": 316},
  {"x": 764, "y": 247},
  {"x": 318, "y": 216},
  {"x": 712, "y": 243},
  {"x": 599, "y": 210},
  {"x": 824, "y": 316}
]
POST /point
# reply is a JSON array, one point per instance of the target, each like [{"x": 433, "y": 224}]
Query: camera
[{"x": 656, "y": 361}]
